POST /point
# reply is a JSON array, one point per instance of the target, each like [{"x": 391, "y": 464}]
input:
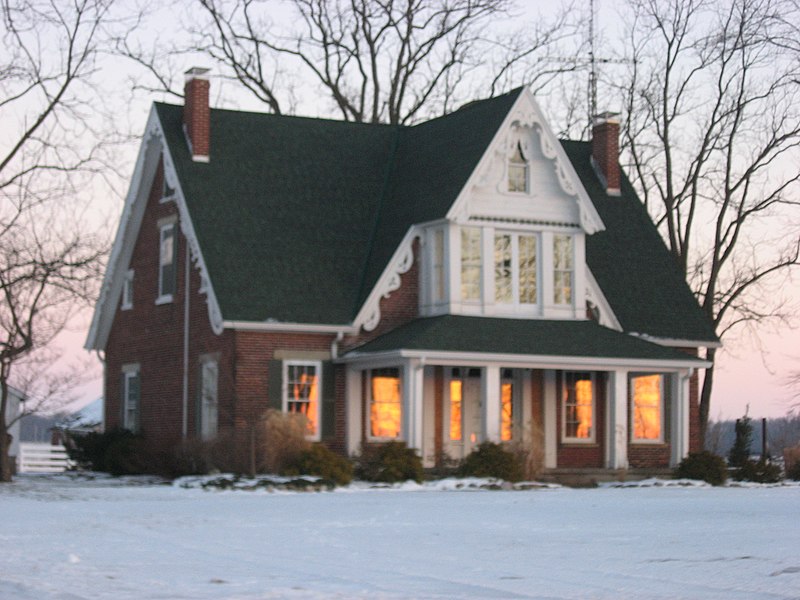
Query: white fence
[{"x": 37, "y": 457}]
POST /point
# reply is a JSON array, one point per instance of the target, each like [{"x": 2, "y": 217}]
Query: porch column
[
  {"x": 413, "y": 377},
  {"x": 490, "y": 401},
  {"x": 353, "y": 400},
  {"x": 617, "y": 429},
  {"x": 679, "y": 424}
]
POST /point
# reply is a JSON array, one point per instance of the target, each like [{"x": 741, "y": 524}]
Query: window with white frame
[
  {"x": 131, "y": 397},
  {"x": 518, "y": 171},
  {"x": 437, "y": 267},
  {"x": 302, "y": 393},
  {"x": 515, "y": 268},
  {"x": 563, "y": 267},
  {"x": 578, "y": 402},
  {"x": 208, "y": 402},
  {"x": 456, "y": 426},
  {"x": 167, "y": 269},
  {"x": 470, "y": 264},
  {"x": 647, "y": 414},
  {"x": 127, "y": 291},
  {"x": 385, "y": 404}
]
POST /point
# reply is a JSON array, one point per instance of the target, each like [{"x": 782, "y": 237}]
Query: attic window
[{"x": 518, "y": 171}]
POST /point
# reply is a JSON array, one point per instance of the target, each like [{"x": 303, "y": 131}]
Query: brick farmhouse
[{"x": 468, "y": 278}]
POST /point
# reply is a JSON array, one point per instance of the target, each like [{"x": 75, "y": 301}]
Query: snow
[{"x": 70, "y": 538}]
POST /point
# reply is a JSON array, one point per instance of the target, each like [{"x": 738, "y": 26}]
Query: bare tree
[
  {"x": 394, "y": 61},
  {"x": 49, "y": 262},
  {"x": 712, "y": 134}
]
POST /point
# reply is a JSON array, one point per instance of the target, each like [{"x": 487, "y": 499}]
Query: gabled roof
[
  {"x": 525, "y": 337},
  {"x": 297, "y": 218},
  {"x": 630, "y": 262}
]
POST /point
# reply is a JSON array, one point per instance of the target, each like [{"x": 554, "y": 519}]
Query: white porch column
[
  {"x": 679, "y": 434},
  {"x": 490, "y": 401},
  {"x": 617, "y": 428},
  {"x": 353, "y": 431},
  {"x": 413, "y": 378},
  {"x": 550, "y": 401}
]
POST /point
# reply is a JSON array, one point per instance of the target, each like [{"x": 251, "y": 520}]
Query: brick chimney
[
  {"x": 605, "y": 151},
  {"x": 197, "y": 114}
]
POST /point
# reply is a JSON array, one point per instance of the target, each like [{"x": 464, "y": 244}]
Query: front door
[{"x": 462, "y": 423}]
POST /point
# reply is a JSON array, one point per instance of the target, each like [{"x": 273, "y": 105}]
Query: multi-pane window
[
  {"x": 302, "y": 393},
  {"x": 438, "y": 266},
  {"x": 208, "y": 413},
  {"x": 166, "y": 261},
  {"x": 563, "y": 266},
  {"x": 578, "y": 402},
  {"x": 127, "y": 291},
  {"x": 131, "y": 395},
  {"x": 506, "y": 406},
  {"x": 518, "y": 171},
  {"x": 648, "y": 401},
  {"x": 385, "y": 409},
  {"x": 470, "y": 264},
  {"x": 515, "y": 268}
]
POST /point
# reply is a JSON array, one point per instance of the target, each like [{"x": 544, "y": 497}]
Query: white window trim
[
  {"x": 129, "y": 372},
  {"x": 634, "y": 440},
  {"x": 575, "y": 440},
  {"x": 402, "y": 435},
  {"x": 317, "y": 364},
  {"x": 163, "y": 225},
  {"x": 127, "y": 291},
  {"x": 481, "y": 265}
]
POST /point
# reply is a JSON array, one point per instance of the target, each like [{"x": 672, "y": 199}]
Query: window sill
[
  {"x": 164, "y": 299},
  {"x": 580, "y": 443},
  {"x": 648, "y": 443},
  {"x": 126, "y": 307}
]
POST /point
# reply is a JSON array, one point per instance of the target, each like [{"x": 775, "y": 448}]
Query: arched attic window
[{"x": 518, "y": 171}]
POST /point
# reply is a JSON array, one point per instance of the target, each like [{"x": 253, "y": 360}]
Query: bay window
[
  {"x": 471, "y": 264},
  {"x": 515, "y": 268},
  {"x": 563, "y": 265}
]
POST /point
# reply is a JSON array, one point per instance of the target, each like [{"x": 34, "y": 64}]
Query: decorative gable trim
[
  {"x": 526, "y": 114},
  {"x": 152, "y": 150},
  {"x": 595, "y": 295},
  {"x": 402, "y": 260}
]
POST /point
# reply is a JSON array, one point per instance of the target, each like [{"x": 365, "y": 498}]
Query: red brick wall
[
  {"x": 153, "y": 336},
  {"x": 589, "y": 455},
  {"x": 648, "y": 456}
]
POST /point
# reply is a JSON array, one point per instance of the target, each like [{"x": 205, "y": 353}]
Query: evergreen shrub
[
  {"x": 492, "y": 460},
  {"x": 116, "y": 451},
  {"x": 758, "y": 471},
  {"x": 390, "y": 462},
  {"x": 322, "y": 462},
  {"x": 705, "y": 466}
]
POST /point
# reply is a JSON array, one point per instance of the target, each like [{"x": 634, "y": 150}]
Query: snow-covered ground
[{"x": 62, "y": 539}]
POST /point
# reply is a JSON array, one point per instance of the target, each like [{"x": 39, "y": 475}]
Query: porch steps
[{"x": 591, "y": 477}]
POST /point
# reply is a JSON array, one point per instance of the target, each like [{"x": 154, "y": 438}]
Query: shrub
[
  {"x": 389, "y": 462},
  {"x": 492, "y": 460},
  {"x": 320, "y": 461},
  {"x": 740, "y": 452},
  {"x": 793, "y": 472},
  {"x": 705, "y": 466},
  {"x": 758, "y": 471},
  {"x": 116, "y": 451}
]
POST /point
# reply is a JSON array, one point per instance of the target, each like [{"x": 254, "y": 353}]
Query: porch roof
[{"x": 525, "y": 337}]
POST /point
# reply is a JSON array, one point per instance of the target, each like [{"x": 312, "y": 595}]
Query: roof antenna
[{"x": 592, "y": 66}]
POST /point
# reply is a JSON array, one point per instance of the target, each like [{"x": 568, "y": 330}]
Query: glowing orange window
[
  {"x": 506, "y": 411},
  {"x": 578, "y": 394},
  {"x": 456, "y": 387},
  {"x": 302, "y": 386},
  {"x": 647, "y": 403},
  {"x": 385, "y": 409}
]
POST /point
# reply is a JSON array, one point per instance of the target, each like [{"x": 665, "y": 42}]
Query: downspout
[{"x": 187, "y": 272}]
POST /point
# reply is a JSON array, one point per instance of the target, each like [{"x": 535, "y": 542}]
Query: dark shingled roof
[
  {"x": 297, "y": 218},
  {"x": 584, "y": 339},
  {"x": 631, "y": 264}
]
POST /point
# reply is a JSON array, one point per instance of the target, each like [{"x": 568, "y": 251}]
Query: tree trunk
[
  {"x": 705, "y": 396},
  {"x": 5, "y": 448}
]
